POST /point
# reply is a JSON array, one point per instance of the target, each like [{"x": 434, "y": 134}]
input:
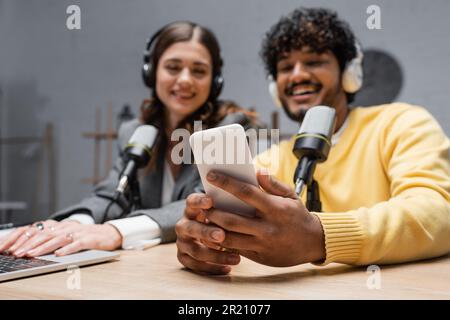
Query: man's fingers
[
  {"x": 194, "y": 214},
  {"x": 252, "y": 255},
  {"x": 211, "y": 245},
  {"x": 248, "y": 193},
  {"x": 233, "y": 222},
  {"x": 196, "y": 203},
  {"x": 202, "y": 253},
  {"x": 199, "y": 258},
  {"x": 202, "y": 267},
  {"x": 239, "y": 241},
  {"x": 273, "y": 186},
  {"x": 199, "y": 201},
  {"x": 188, "y": 229}
]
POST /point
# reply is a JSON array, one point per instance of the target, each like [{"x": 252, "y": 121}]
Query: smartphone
[{"x": 224, "y": 149}]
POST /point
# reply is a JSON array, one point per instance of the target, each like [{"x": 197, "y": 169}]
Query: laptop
[{"x": 13, "y": 268}]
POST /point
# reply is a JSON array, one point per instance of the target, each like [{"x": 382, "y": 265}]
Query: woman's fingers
[
  {"x": 50, "y": 246},
  {"x": 38, "y": 239},
  {"x": 33, "y": 240},
  {"x": 11, "y": 238},
  {"x": 48, "y": 236},
  {"x": 75, "y": 246},
  {"x": 33, "y": 237},
  {"x": 26, "y": 235}
]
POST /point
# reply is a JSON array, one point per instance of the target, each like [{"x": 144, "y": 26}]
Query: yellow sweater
[{"x": 385, "y": 188}]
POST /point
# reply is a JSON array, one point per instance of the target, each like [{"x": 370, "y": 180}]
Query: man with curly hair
[{"x": 385, "y": 188}]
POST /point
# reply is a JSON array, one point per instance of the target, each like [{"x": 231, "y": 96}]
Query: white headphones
[
  {"x": 273, "y": 90},
  {"x": 352, "y": 77}
]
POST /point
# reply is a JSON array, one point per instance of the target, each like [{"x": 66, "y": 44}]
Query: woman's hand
[{"x": 63, "y": 238}]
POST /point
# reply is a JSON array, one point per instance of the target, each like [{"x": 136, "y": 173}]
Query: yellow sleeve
[
  {"x": 415, "y": 222},
  {"x": 278, "y": 160}
]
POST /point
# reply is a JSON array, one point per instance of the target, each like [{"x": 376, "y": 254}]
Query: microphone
[
  {"x": 137, "y": 154},
  {"x": 312, "y": 143}
]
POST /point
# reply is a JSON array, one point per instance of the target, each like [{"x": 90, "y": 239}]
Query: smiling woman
[
  {"x": 184, "y": 74},
  {"x": 182, "y": 68}
]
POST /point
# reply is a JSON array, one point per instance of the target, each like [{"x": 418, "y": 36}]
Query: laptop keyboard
[{"x": 10, "y": 263}]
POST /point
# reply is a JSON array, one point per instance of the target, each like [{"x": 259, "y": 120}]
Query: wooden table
[{"x": 157, "y": 274}]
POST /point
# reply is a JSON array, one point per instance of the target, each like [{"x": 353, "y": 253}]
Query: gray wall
[{"x": 48, "y": 73}]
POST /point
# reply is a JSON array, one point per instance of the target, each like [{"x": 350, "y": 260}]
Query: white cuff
[
  {"x": 82, "y": 218},
  {"x": 139, "y": 232}
]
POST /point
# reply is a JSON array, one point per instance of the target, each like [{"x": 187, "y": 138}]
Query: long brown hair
[{"x": 213, "y": 110}]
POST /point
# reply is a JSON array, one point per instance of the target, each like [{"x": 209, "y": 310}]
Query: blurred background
[{"x": 64, "y": 92}]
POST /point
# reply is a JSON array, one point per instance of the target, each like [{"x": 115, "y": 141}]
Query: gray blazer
[{"x": 187, "y": 182}]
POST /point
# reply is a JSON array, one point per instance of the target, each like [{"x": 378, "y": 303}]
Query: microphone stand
[
  {"x": 304, "y": 172},
  {"x": 132, "y": 195},
  {"x": 129, "y": 186},
  {"x": 313, "y": 198},
  {"x": 135, "y": 195}
]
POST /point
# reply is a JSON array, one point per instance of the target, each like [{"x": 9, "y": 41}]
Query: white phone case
[{"x": 224, "y": 149}]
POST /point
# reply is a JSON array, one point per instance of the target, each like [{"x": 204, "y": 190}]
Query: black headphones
[{"x": 149, "y": 74}]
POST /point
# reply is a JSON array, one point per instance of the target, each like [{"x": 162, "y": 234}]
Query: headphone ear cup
[
  {"x": 273, "y": 91},
  {"x": 216, "y": 87},
  {"x": 352, "y": 78},
  {"x": 146, "y": 75},
  {"x": 147, "y": 70}
]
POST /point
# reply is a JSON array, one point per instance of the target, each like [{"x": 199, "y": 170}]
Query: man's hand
[
  {"x": 63, "y": 238},
  {"x": 282, "y": 234},
  {"x": 197, "y": 241}
]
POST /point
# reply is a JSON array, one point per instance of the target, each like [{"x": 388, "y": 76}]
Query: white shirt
[
  {"x": 168, "y": 184},
  {"x": 338, "y": 134}
]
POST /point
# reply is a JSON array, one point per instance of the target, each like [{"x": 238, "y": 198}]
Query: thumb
[{"x": 273, "y": 186}]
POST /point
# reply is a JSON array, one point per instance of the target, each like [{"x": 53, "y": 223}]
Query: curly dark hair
[{"x": 318, "y": 29}]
